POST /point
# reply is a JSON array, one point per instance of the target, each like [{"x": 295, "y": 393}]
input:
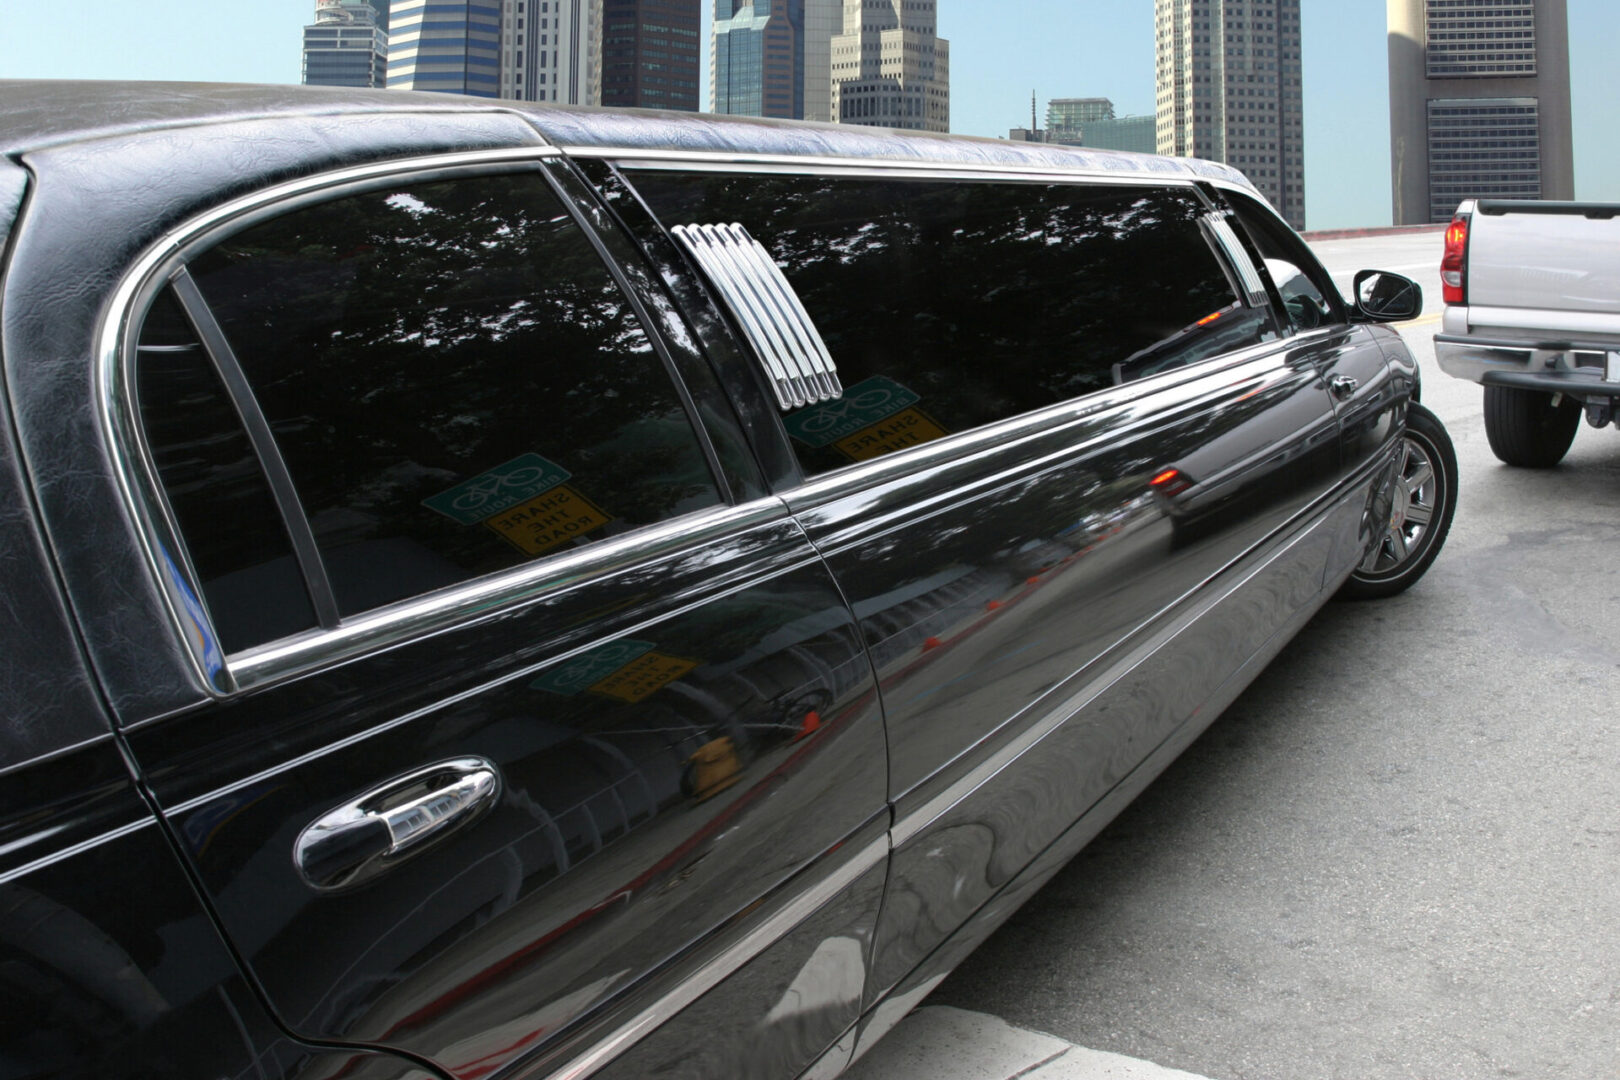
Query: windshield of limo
[{"x": 947, "y": 305}]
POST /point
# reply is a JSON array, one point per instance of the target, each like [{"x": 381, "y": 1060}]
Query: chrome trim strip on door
[
  {"x": 712, "y": 973},
  {"x": 410, "y": 619},
  {"x": 999, "y": 437}
]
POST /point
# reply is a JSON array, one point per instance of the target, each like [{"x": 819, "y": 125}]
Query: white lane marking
[{"x": 941, "y": 1043}]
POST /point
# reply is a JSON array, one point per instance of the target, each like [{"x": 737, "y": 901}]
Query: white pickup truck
[{"x": 1532, "y": 292}]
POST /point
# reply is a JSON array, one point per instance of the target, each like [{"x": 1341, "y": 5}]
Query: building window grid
[{"x": 1472, "y": 38}]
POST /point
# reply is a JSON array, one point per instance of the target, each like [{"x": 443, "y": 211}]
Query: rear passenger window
[
  {"x": 947, "y": 305},
  {"x": 454, "y": 381}
]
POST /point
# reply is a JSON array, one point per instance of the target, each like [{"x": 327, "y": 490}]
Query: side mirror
[{"x": 1385, "y": 297}]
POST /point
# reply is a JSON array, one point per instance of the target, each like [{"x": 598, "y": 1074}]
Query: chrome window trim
[
  {"x": 561, "y": 182},
  {"x": 635, "y": 159},
  {"x": 731, "y": 959},
  {"x": 1232, "y": 248},
  {"x": 408, "y": 620},
  {"x": 996, "y": 437},
  {"x": 263, "y": 443},
  {"x": 159, "y": 537}
]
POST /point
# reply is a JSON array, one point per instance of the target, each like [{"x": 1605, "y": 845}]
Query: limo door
[
  {"x": 1368, "y": 396},
  {"x": 1062, "y": 439},
  {"x": 531, "y": 721}
]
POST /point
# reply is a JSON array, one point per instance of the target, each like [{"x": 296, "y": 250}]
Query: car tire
[
  {"x": 1526, "y": 429},
  {"x": 1425, "y": 500}
]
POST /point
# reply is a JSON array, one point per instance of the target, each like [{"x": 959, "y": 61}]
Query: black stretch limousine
[{"x": 500, "y": 591}]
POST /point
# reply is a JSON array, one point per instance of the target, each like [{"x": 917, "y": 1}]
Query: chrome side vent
[
  {"x": 743, "y": 273},
  {"x": 1220, "y": 228}
]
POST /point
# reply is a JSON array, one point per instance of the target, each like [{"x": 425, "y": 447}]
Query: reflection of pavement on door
[{"x": 941, "y": 1043}]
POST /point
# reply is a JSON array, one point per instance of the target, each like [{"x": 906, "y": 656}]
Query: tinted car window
[
  {"x": 454, "y": 380},
  {"x": 947, "y": 305},
  {"x": 221, "y": 503},
  {"x": 1305, "y": 292}
]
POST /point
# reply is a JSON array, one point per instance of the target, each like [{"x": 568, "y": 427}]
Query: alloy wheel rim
[{"x": 1415, "y": 502}]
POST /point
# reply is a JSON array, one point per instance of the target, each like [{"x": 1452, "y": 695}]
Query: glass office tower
[
  {"x": 1479, "y": 104},
  {"x": 758, "y": 59},
  {"x": 1228, "y": 89},
  {"x": 1065, "y": 117},
  {"x": 773, "y": 57},
  {"x": 449, "y": 46},
  {"x": 651, "y": 53},
  {"x": 345, "y": 46}
]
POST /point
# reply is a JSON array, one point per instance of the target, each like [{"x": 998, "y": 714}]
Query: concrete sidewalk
[{"x": 941, "y": 1043}]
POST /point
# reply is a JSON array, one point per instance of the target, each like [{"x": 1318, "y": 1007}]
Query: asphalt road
[{"x": 1398, "y": 853}]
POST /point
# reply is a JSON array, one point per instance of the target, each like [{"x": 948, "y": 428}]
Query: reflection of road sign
[
  {"x": 861, "y": 406},
  {"x": 501, "y": 488},
  {"x": 643, "y": 677},
  {"x": 908, "y": 427},
  {"x": 628, "y": 670},
  {"x": 549, "y": 519},
  {"x": 592, "y": 666}
]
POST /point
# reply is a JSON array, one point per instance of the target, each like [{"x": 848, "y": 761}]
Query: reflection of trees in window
[
  {"x": 987, "y": 299},
  {"x": 404, "y": 341}
]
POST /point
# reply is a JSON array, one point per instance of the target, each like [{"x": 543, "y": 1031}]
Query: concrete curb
[
  {"x": 1383, "y": 230},
  {"x": 938, "y": 1042}
]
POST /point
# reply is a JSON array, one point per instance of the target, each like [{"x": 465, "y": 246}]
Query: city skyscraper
[
  {"x": 1228, "y": 89},
  {"x": 771, "y": 58},
  {"x": 551, "y": 50},
  {"x": 1065, "y": 117},
  {"x": 890, "y": 68},
  {"x": 1135, "y": 133},
  {"x": 1479, "y": 104},
  {"x": 345, "y": 46},
  {"x": 451, "y": 46},
  {"x": 651, "y": 53}
]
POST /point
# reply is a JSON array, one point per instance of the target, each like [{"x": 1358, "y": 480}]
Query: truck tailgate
[{"x": 1552, "y": 262}]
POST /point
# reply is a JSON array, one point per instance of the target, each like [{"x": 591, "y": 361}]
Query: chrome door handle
[
  {"x": 1343, "y": 387},
  {"x": 388, "y": 824}
]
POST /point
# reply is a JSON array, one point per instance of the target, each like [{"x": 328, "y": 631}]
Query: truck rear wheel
[{"x": 1526, "y": 429}]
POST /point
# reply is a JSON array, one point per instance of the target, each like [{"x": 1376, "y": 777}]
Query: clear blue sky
[{"x": 1057, "y": 48}]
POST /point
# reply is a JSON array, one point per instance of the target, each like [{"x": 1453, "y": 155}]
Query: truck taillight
[{"x": 1453, "y": 264}]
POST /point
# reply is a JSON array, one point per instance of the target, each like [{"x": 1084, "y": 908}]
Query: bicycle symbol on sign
[
  {"x": 498, "y": 489},
  {"x": 829, "y": 414},
  {"x": 862, "y": 405},
  {"x": 487, "y": 488}
]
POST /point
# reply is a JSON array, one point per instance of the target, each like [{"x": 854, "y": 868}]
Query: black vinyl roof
[{"x": 41, "y": 113}]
